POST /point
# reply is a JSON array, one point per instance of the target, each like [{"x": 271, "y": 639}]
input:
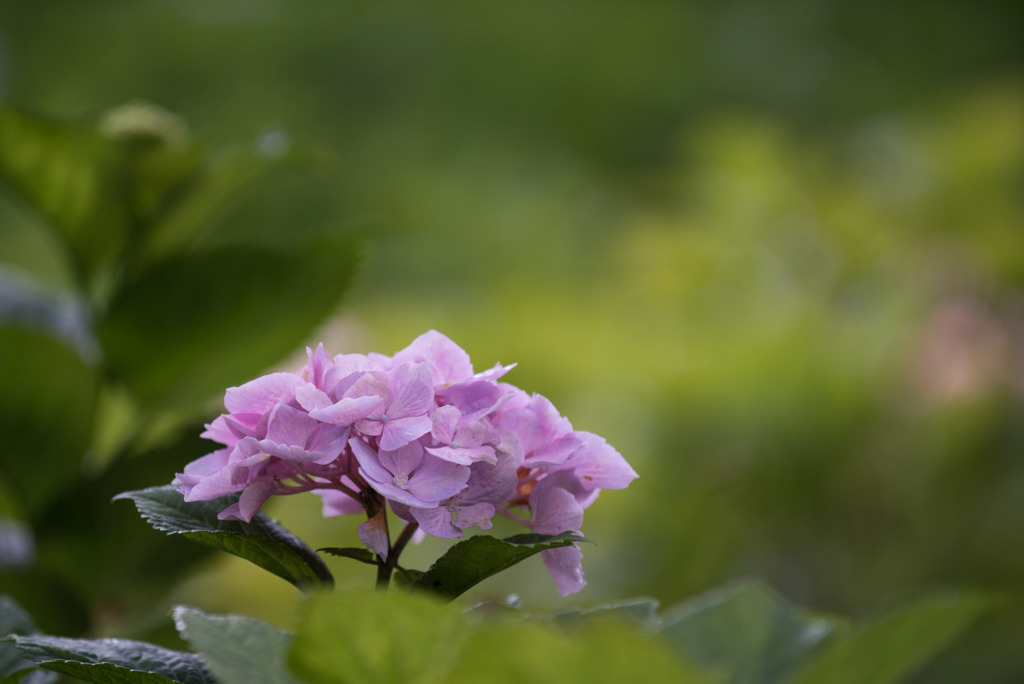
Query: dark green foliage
[
  {"x": 742, "y": 634},
  {"x": 262, "y": 541},
  {"x": 47, "y": 405},
  {"x": 475, "y": 559},
  {"x": 71, "y": 176},
  {"x": 13, "y": 620},
  {"x": 105, "y": 661},
  {"x": 177, "y": 283},
  {"x": 232, "y": 309},
  {"x": 361, "y": 554}
]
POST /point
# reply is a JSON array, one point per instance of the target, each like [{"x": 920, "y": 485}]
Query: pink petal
[
  {"x": 338, "y": 503},
  {"x": 328, "y": 441},
  {"x": 317, "y": 364},
  {"x": 437, "y": 522},
  {"x": 474, "y": 515},
  {"x": 476, "y": 399},
  {"x": 393, "y": 493},
  {"x": 411, "y": 391},
  {"x": 260, "y": 395},
  {"x": 554, "y": 453},
  {"x": 597, "y": 465},
  {"x": 348, "y": 364},
  {"x": 522, "y": 423},
  {"x": 290, "y": 426},
  {"x": 374, "y": 533},
  {"x": 444, "y": 420},
  {"x": 403, "y": 460},
  {"x": 229, "y": 428},
  {"x": 566, "y": 568},
  {"x": 368, "y": 462},
  {"x": 253, "y": 498},
  {"x": 401, "y": 431},
  {"x": 447, "y": 361},
  {"x": 491, "y": 483},
  {"x": 495, "y": 373},
  {"x": 250, "y": 452},
  {"x": 404, "y": 512},
  {"x": 464, "y": 456},
  {"x": 553, "y": 510},
  {"x": 220, "y": 431},
  {"x": 232, "y": 512},
  {"x": 226, "y": 481},
  {"x": 437, "y": 480},
  {"x": 310, "y": 398},
  {"x": 207, "y": 465},
  {"x": 347, "y": 411}
]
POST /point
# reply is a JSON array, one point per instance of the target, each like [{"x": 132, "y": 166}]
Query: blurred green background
[{"x": 773, "y": 253}]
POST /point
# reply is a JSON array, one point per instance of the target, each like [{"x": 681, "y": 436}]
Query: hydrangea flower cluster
[{"x": 444, "y": 447}]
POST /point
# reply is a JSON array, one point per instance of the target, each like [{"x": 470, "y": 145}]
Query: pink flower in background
[{"x": 420, "y": 432}]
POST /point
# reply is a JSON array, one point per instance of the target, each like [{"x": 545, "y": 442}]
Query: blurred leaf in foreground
[
  {"x": 236, "y": 649},
  {"x": 376, "y": 637},
  {"x": 746, "y": 631},
  {"x": 888, "y": 650}
]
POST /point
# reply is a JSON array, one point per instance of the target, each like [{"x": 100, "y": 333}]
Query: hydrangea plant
[{"x": 446, "y": 448}]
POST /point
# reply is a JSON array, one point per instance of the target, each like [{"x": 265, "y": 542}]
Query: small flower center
[{"x": 402, "y": 480}]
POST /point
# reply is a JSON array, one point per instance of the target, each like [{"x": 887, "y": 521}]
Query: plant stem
[
  {"x": 403, "y": 539},
  {"x": 385, "y": 569},
  {"x": 383, "y": 574}
]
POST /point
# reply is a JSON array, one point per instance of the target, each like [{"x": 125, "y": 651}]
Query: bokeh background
[{"x": 772, "y": 252}]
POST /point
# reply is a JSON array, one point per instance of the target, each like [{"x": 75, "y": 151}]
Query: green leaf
[
  {"x": 890, "y": 649},
  {"x": 25, "y": 302},
  {"x": 90, "y": 552},
  {"x": 33, "y": 676},
  {"x": 355, "y": 553},
  {"x": 47, "y": 401},
  {"x": 179, "y": 223},
  {"x": 471, "y": 561},
  {"x": 240, "y": 195},
  {"x": 236, "y": 649},
  {"x": 406, "y": 578},
  {"x": 13, "y": 620},
  {"x": 215, "y": 319},
  {"x": 106, "y": 661},
  {"x": 380, "y": 637},
  {"x": 747, "y": 632},
  {"x": 69, "y": 175},
  {"x": 262, "y": 541},
  {"x": 507, "y": 652},
  {"x": 642, "y": 611}
]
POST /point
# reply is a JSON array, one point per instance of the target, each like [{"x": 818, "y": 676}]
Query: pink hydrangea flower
[{"x": 444, "y": 447}]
